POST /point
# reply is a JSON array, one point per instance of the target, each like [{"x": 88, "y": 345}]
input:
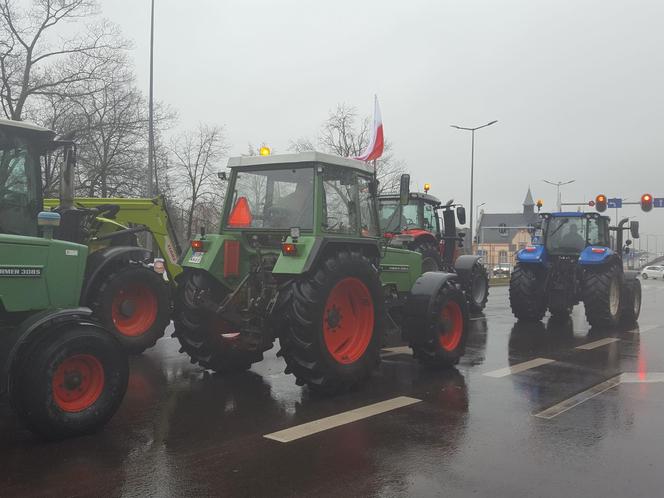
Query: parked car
[
  {"x": 502, "y": 270},
  {"x": 652, "y": 272}
]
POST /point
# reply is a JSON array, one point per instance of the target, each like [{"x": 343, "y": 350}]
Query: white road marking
[
  {"x": 644, "y": 329},
  {"x": 477, "y": 318},
  {"x": 396, "y": 350},
  {"x": 323, "y": 424},
  {"x": 598, "y": 344},
  {"x": 577, "y": 399},
  {"x": 641, "y": 378},
  {"x": 519, "y": 367}
]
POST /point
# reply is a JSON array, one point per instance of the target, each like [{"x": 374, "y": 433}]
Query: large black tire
[
  {"x": 206, "y": 338},
  {"x": 631, "y": 301},
  {"x": 335, "y": 324},
  {"x": 133, "y": 302},
  {"x": 527, "y": 297},
  {"x": 431, "y": 260},
  {"x": 71, "y": 382},
  {"x": 443, "y": 343},
  {"x": 477, "y": 289},
  {"x": 602, "y": 295}
]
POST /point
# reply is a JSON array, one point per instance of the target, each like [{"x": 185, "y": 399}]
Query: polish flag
[{"x": 375, "y": 148}]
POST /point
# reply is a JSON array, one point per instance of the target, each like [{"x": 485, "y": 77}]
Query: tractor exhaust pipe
[{"x": 67, "y": 178}]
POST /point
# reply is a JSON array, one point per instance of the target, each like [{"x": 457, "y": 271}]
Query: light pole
[
  {"x": 151, "y": 176},
  {"x": 558, "y": 185},
  {"x": 472, "y": 170}
]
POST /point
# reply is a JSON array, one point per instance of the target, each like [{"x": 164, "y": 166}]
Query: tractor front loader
[
  {"x": 65, "y": 374},
  {"x": 123, "y": 284},
  {"x": 299, "y": 257}
]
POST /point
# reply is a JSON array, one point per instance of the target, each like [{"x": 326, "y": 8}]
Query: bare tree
[
  {"x": 196, "y": 156},
  {"x": 344, "y": 134},
  {"x": 33, "y": 64}
]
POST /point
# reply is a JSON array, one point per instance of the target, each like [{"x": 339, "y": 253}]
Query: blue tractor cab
[{"x": 574, "y": 258}]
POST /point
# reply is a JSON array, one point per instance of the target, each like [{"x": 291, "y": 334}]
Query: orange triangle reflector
[{"x": 241, "y": 215}]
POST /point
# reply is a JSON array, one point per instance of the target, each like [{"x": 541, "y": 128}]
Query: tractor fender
[
  {"x": 421, "y": 237},
  {"x": 369, "y": 247},
  {"x": 420, "y": 301},
  {"x": 464, "y": 264},
  {"x": 30, "y": 330},
  {"x": 532, "y": 254},
  {"x": 596, "y": 255},
  {"x": 100, "y": 260}
]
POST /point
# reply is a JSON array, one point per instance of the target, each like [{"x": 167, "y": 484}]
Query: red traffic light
[
  {"x": 600, "y": 203},
  {"x": 646, "y": 202}
]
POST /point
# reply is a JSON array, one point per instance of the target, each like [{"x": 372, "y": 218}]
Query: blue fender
[
  {"x": 595, "y": 255},
  {"x": 532, "y": 254}
]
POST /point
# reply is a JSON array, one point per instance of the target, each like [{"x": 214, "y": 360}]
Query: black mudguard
[
  {"x": 420, "y": 301},
  {"x": 464, "y": 264},
  {"x": 13, "y": 343},
  {"x": 98, "y": 261}
]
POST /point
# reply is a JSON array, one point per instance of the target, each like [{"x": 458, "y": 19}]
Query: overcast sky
[{"x": 577, "y": 86}]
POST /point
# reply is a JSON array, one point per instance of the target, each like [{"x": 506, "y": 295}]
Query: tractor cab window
[
  {"x": 340, "y": 188},
  {"x": 571, "y": 235},
  {"x": 368, "y": 225},
  {"x": 389, "y": 213},
  {"x": 410, "y": 217},
  {"x": 273, "y": 199},
  {"x": 19, "y": 187},
  {"x": 430, "y": 218}
]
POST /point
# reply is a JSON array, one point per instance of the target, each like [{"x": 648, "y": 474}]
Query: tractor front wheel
[
  {"x": 631, "y": 301},
  {"x": 527, "y": 297},
  {"x": 134, "y": 304},
  {"x": 478, "y": 288},
  {"x": 444, "y": 341},
  {"x": 431, "y": 260},
  {"x": 602, "y": 296},
  {"x": 71, "y": 382},
  {"x": 209, "y": 340},
  {"x": 335, "y": 324}
]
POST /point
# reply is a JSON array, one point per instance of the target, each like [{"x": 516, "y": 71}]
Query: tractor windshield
[
  {"x": 570, "y": 235},
  {"x": 394, "y": 218},
  {"x": 273, "y": 199},
  {"x": 19, "y": 186}
]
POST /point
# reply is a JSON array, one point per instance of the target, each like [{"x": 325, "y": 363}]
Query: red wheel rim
[
  {"x": 348, "y": 320},
  {"x": 134, "y": 310},
  {"x": 451, "y": 330},
  {"x": 78, "y": 383}
]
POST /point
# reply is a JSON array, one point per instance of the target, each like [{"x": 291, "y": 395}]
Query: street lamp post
[
  {"x": 558, "y": 185},
  {"x": 472, "y": 170}
]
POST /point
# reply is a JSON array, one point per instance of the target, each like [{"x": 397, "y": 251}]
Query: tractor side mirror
[
  {"x": 221, "y": 175},
  {"x": 634, "y": 229},
  {"x": 461, "y": 215},
  {"x": 404, "y": 189}
]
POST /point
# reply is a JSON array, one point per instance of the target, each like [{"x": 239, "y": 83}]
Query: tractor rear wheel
[
  {"x": 431, "y": 260},
  {"x": 71, "y": 382},
  {"x": 478, "y": 288},
  {"x": 444, "y": 341},
  {"x": 527, "y": 293},
  {"x": 210, "y": 341},
  {"x": 631, "y": 300},
  {"x": 602, "y": 296},
  {"x": 335, "y": 324},
  {"x": 134, "y": 304}
]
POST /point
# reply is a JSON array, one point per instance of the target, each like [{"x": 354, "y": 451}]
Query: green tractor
[
  {"x": 65, "y": 374},
  {"x": 299, "y": 257}
]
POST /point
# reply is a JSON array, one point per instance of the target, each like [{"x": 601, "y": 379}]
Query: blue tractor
[{"x": 571, "y": 260}]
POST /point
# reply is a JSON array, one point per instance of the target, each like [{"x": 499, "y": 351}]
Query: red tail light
[
  {"x": 197, "y": 245},
  {"x": 231, "y": 258},
  {"x": 288, "y": 249},
  {"x": 531, "y": 248},
  {"x": 598, "y": 250}
]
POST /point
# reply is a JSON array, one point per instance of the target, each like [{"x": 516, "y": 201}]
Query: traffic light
[
  {"x": 646, "y": 202},
  {"x": 600, "y": 203}
]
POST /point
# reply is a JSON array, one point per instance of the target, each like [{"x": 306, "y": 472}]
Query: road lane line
[
  {"x": 577, "y": 399},
  {"x": 598, "y": 344},
  {"x": 396, "y": 350},
  {"x": 641, "y": 378},
  {"x": 643, "y": 330},
  {"x": 323, "y": 424},
  {"x": 477, "y": 318},
  {"x": 519, "y": 367}
]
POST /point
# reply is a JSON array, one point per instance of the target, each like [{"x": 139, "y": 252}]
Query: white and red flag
[{"x": 375, "y": 148}]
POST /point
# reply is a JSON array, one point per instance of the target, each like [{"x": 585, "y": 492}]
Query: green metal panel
[
  {"x": 294, "y": 265},
  {"x": 400, "y": 267},
  {"x": 39, "y": 273}
]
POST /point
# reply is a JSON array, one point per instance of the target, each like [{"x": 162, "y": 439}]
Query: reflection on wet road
[{"x": 548, "y": 409}]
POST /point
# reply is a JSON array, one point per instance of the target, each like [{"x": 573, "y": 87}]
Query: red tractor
[{"x": 417, "y": 226}]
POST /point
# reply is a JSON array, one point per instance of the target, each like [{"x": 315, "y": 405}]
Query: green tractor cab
[
  {"x": 64, "y": 373},
  {"x": 299, "y": 257}
]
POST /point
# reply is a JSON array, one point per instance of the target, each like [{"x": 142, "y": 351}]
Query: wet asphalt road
[{"x": 183, "y": 432}]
